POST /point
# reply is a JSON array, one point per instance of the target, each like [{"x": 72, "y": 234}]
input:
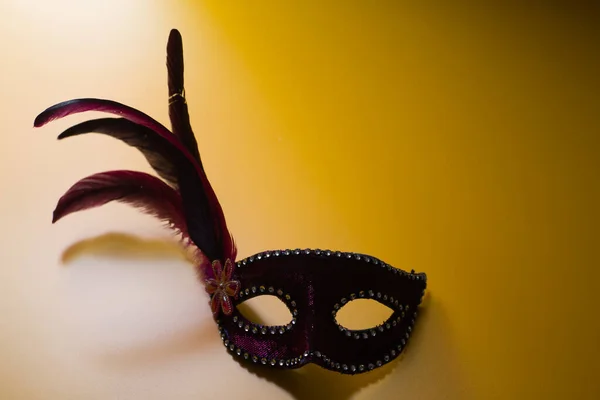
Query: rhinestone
[
  {"x": 281, "y": 363},
  {"x": 356, "y": 336},
  {"x": 254, "y": 359},
  {"x": 240, "y": 323},
  {"x": 286, "y": 252},
  {"x": 380, "y": 327},
  {"x": 276, "y": 253},
  {"x": 361, "y": 293},
  {"x": 273, "y": 362},
  {"x": 328, "y": 253},
  {"x": 246, "y": 355},
  {"x": 409, "y": 329},
  {"x": 393, "y": 353},
  {"x": 287, "y": 363},
  {"x": 352, "y": 296},
  {"x": 258, "y": 257},
  {"x": 241, "y": 294},
  {"x": 361, "y": 368},
  {"x": 373, "y": 333},
  {"x": 344, "y": 367},
  {"x": 262, "y": 289},
  {"x": 337, "y": 366},
  {"x": 401, "y": 307},
  {"x": 226, "y": 343},
  {"x": 271, "y": 290},
  {"x": 222, "y": 336},
  {"x": 288, "y": 327},
  {"x": 307, "y": 251},
  {"x": 338, "y": 254},
  {"x": 263, "y": 330},
  {"x": 353, "y": 368},
  {"x": 348, "y": 255},
  {"x": 375, "y": 261},
  {"x": 288, "y": 297},
  {"x": 247, "y": 292},
  {"x": 391, "y": 299},
  {"x": 247, "y": 328},
  {"x": 267, "y": 254},
  {"x": 336, "y": 306},
  {"x": 385, "y": 297},
  {"x": 254, "y": 329},
  {"x": 371, "y": 366},
  {"x": 293, "y": 321},
  {"x": 238, "y": 352},
  {"x": 318, "y": 252},
  {"x": 396, "y": 303},
  {"x": 399, "y": 347},
  {"x": 318, "y": 354},
  {"x": 379, "y": 363},
  {"x": 378, "y": 295},
  {"x": 365, "y": 335},
  {"x": 295, "y": 312},
  {"x": 244, "y": 262},
  {"x": 348, "y": 333},
  {"x": 371, "y": 294},
  {"x": 273, "y": 330},
  {"x": 344, "y": 300},
  {"x": 357, "y": 256},
  {"x": 232, "y": 347},
  {"x": 403, "y": 342},
  {"x": 253, "y": 289},
  {"x": 235, "y": 318},
  {"x": 387, "y": 325},
  {"x": 280, "y": 292},
  {"x": 263, "y": 361},
  {"x": 306, "y": 353},
  {"x": 282, "y": 330},
  {"x": 386, "y": 358},
  {"x": 394, "y": 323},
  {"x": 293, "y": 303},
  {"x": 297, "y": 251}
]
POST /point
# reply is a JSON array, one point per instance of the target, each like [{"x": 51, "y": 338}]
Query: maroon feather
[{"x": 138, "y": 189}]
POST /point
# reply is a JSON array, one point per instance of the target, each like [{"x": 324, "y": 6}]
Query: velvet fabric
[{"x": 315, "y": 285}]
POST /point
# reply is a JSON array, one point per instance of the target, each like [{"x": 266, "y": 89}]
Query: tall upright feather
[{"x": 178, "y": 109}]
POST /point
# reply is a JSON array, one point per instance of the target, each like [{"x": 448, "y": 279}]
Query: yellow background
[{"x": 460, "y": 141}]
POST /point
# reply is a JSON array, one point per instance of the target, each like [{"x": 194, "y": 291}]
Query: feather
[
  {"x": 174, "y": 156},
  {"x": 156, "y": 149},
  {"x": 138, "y": 189},
  {"x": 204, "y": 216},
  {"x": 178, "y": 109}
]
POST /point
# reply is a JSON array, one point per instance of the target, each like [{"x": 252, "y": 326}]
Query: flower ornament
[{"x": 222, "y": 288}]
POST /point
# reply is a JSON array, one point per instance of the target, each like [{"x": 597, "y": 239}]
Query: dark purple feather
[
  {"x": 159, "y": 152},
  {"x": 178, "y": 109},
  {"x": 138, "y": 189}
]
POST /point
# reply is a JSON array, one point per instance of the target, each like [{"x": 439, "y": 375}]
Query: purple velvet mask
[{"x": 314, "y": 284}]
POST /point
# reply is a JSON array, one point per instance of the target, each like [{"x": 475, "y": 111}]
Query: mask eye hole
[
  {"x": 362, "y": 314},
  {"x": 266, "y": 310}
]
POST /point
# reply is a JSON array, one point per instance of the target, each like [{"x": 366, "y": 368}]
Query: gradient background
[{"x": 460, "y": 141}]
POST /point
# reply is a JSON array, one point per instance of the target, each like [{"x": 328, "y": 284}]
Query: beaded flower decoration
[{"x": 313, "y": 284}]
